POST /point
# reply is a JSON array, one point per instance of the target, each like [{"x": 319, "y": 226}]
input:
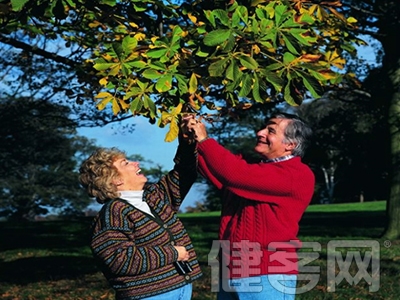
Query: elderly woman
[{"x": 142, "y": 247}]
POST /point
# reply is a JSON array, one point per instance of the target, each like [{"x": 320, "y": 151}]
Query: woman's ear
[{"x": 117, "y": 181}]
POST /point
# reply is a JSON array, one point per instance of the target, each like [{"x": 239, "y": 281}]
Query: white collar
[{"x": 135, "y": 198}]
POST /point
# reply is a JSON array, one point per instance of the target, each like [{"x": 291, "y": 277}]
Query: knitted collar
[{"x": 278, "y": 159}]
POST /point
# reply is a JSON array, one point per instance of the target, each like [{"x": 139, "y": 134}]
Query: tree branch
[{"x": 38, "y": 51}]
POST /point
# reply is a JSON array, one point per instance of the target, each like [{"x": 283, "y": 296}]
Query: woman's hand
[{"x": 183, "y": 254}]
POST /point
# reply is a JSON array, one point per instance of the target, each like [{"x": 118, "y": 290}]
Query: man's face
[
  {"x": 270, "y": 139},
  {"x": 129, "y": 175}
]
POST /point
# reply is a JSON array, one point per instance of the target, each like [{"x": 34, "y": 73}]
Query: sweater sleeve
[
  {"x": 251, "y": 181},
  {"x": 180, "y": 179}
]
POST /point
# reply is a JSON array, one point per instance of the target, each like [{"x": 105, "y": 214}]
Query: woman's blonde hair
[{"x": 97, "y": 173}]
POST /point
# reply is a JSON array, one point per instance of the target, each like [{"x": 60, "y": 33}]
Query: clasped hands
[{"x": 193, "y": 129}]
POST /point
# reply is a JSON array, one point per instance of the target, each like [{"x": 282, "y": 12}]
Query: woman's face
[{"x": 130, "y": 178}]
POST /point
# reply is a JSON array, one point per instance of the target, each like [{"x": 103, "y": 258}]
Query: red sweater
[{"x": 262, "y": 203}]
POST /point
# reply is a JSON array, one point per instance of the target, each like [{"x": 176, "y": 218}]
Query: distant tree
[
  {"x": 40, "y": 152},
  {"x": 197, "y": 207},
  {"x": 343, "y": 148},
  {"x": 380, "y": 21}
]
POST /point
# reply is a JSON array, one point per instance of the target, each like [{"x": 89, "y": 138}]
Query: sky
[{"x": 146, "y": 140}]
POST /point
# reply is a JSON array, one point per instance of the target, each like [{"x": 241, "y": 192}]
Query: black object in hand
[{"x": 183, "y": 267}]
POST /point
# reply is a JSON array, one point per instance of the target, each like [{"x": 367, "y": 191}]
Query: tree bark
[{"x": 393, "y": 205}]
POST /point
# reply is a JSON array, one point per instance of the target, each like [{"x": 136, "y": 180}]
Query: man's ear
[{"x": 290, "y": 147}]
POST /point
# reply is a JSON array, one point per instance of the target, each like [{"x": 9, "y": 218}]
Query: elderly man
[{"x": 261, "y": 208}]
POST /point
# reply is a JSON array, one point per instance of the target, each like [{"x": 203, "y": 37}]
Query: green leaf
[
  {"x": 157, "y": 53},
  {"x": 272, "y": 67},
  {"x": 232, "y": 71},
  {"x": 151, "y": 74},
  {"x": 133, "y": 92},
  {"x": 312, "y": 85},
  {"x": 150, "y": 106},
  {"x": 288, "y": 97},
  {"x": 256, "y": 89},
  {"x": 217, "y": 37},
  {"x": 136, "y": 105},
  {"x": 222, "y": 15},
  {"x": 302, "y": 36},
  {"x": 288, "y": 58},
  {"x": 117, "y": 48},
  {"x": 243, "y": 13},
  {"x": 229, "y": 44},
  {"x": 129, "y": 44},
  {"x": 109, "y": 2},
  {"x": 164, "y": 83},
  {"x": 217, "y": 68},
  {"x": 289, "y": 44},
  {"x": 182, "y": 83},
  {"x": 275, "y": 80},
  {"x": 157, "y": 65},
  {"x": 104, "y": 66},
  {"x": 138, "y": 64},
  {"x": 247, "y": 82},
  {"x": 279, "y": 14},
  {"x": 176, "y": 34},
  {"x": 142, "y": 85},
  {"x": 126, "y": 69},
  {"x": 17, "y": 5},
  {"x": 248, "y": 62}
]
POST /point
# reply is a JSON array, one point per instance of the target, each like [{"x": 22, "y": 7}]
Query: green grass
[{"x": 52, "y": 260}]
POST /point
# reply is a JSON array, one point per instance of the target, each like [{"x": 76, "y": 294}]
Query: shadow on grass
[
  {"x": 41, "y": 269},
  {"x": 67, "y": 242},
  {"x": 344, "y": 224}
]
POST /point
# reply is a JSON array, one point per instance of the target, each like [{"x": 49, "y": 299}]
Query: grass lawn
[{"x": 51, "y": 260}]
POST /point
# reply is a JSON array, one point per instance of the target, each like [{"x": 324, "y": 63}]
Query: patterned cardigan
[{"x": 135, "y": 250}]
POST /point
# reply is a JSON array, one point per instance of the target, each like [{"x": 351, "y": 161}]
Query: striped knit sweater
[
  {"x": 262, "y": 206},
  {"x": 135, "y": 250}
]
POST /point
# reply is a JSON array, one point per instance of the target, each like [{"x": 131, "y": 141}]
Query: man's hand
[{"x": 197, "y": 129}]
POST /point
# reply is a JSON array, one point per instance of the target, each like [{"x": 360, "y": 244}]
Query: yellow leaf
[
  {"x": 123, "y": 104},
  {"x": 140, "y": 36},
  {"x": 115, "y": 107},
  {"x": 335, "y": 59},
  {"x": 103, "y": 95},
  {"x": 352, "y": 20},
  {"x": 328, "y": 74},
  {"x": 94, "y": 24},
  {"x": 309, "y": 58},
  {"x": 134, "y": 25},
  {"x": 256, "y": 49},
  {"x": 192, "y": 18},
  {"x": 173, "y": 132},
  {"x": 114, "y": 69},
  {"x": 165, "y": 118},
  {"x": 193, "y": 83},
  {"x": 102, "y": 104},
  {"x": 107, "y": 57},
  {"x": 103, "y": 81}
]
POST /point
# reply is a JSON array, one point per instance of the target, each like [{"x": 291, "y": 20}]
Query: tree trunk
[
  {"x": 393, "y": 205},
  {"x": 389, "y": 32}
]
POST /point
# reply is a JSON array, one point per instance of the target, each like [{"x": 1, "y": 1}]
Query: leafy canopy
[{"x": 159, "y": 59}]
